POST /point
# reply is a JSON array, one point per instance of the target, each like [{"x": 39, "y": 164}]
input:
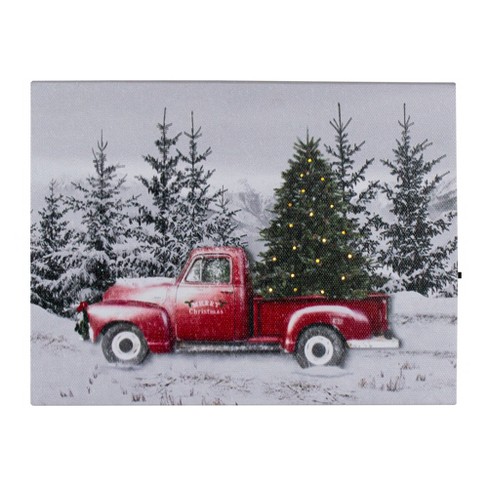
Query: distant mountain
[
  {"x": 254, "y": 214},
  {"x": 445, "y": 199}
]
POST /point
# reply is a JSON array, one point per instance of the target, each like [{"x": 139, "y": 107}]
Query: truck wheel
[
  {"x": 124, "y": 343},
  {"x": 319, "y": 346}
]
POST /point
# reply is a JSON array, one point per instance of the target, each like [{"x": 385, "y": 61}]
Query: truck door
[{"x": 205, "y": 301}]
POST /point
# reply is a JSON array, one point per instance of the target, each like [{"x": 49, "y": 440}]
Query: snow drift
[{"x": 412, "y": 303}]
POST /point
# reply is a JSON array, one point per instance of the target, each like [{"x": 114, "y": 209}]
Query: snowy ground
[{"x": 68, "y": 371}]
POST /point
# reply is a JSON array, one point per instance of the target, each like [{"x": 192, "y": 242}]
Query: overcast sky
[{"x": 251, "y": 127}]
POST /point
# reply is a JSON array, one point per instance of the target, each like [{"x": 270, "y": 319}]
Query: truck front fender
[
  {"x": 351, "y": 324},
  {"x": 151, "y": 319}
]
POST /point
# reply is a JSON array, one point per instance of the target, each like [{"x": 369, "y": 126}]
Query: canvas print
[{"x": 233, "y": 243}]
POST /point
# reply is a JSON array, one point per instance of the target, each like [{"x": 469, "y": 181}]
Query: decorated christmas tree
[{"x": 310, "y": 240}]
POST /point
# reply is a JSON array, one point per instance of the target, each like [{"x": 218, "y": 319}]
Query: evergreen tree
[
  {"x": 162, "y": 250},
  {"x": 355, "y": 200},
  {"x": 198, "y": 198},
  {"x": 95, "y": 257},
  {"x": 410, "y": 251},
  {"x": 186, "y": 212},
  {"x": 208, "y": 219},
  {"x": 223, "y": 224},
  {"x": 49, "y": 237},
  {"x": 309, "y": 239}
]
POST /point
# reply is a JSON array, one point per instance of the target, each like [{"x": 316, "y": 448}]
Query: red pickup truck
[{"x": 211, "y": 307}]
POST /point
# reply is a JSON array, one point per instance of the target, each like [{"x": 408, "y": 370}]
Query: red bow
[{"x": 82, "y": 306}]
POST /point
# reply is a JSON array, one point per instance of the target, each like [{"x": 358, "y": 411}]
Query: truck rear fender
[
  {"x": 152, "y": 321},
  {"x": 350, "y": 324}
]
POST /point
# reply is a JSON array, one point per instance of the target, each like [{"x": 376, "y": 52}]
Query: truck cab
[{"x": 213, "y": 296}]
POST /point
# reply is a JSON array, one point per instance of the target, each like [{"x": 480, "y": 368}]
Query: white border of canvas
[{"x": 313, "y": 41}]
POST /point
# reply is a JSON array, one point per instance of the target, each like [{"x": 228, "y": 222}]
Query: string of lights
[{"x": 308, "y": 241}]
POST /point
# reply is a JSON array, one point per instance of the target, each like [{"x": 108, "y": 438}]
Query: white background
[{"x": 240, "y": 446}]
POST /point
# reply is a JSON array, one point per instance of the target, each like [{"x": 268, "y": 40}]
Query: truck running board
[
  {"x": 379, "y": 342},
  {"x": 227, "y": 347}
]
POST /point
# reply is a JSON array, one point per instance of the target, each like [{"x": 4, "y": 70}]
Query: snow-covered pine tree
[
  {"x": 356, "y": 195},
  {"x": 49, "y": 236},
  {"x": 96, "y": 256},
  {"x": 206, "y": 217},
  {"x": 411, "y": 253},
  {"x": 35, "y": 247},
  {"x": 309, "y": 239},
  {"x": 223, "y": 225},
  {"x": 197, "y": 197},
  {"x": 183, "y": 214},
  {"x": 161, "y": 250}
]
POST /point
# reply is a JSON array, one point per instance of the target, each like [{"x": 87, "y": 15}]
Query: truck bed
[{"x": 272, "y": 316}]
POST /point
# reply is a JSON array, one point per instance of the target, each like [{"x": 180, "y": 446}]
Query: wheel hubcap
[
  {"x": 319, "y": 350},
  {"x": 126, "y": 346}
]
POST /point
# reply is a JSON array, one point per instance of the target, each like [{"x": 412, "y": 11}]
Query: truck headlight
[{"x": 90, "y": 334}]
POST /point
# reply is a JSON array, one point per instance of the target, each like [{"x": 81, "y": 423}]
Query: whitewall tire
[
  {"x": 124, "y": 343},
  {"x": 319, "y": 345}
]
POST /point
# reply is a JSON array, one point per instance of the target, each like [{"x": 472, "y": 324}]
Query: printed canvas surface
[{"x": 210, "y": 243}]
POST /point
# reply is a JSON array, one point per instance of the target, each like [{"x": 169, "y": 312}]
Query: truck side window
[
  {"x": 216, "y": 270},
  {"x": 209, "y": 270},
  {"x": 195, "y": 273}
]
